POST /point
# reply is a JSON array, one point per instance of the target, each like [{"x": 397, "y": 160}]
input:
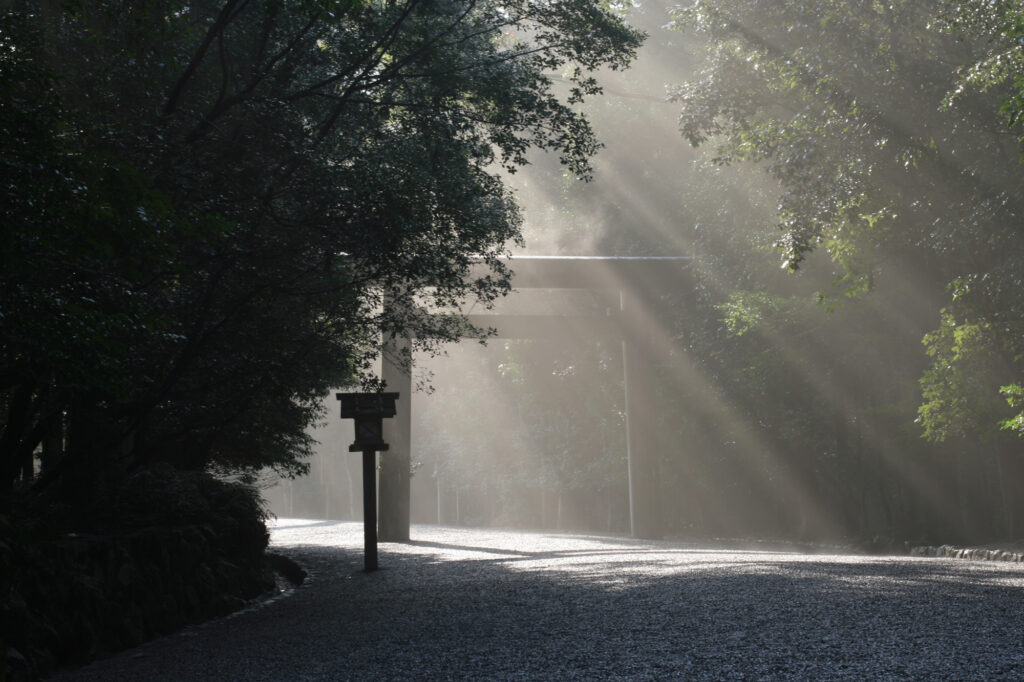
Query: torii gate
[{"x": 630, "y": 276}]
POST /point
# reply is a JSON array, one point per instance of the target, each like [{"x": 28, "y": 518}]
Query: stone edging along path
[
  {"x": 975, "y": 553},
  {"x": 1012, "y": 552}
]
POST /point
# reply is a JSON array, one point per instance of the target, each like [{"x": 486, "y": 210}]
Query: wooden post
[
  {"x": 369, "y": 411},
  {"x": 369, "y": 510}
]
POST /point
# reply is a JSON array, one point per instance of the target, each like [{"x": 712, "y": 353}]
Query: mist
[{"x": 773, "y": 404}]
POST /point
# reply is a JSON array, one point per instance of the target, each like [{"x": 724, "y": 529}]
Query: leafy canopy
[
  {"x": 210, "y": 203},
  {"x": 885, "y": 159}
]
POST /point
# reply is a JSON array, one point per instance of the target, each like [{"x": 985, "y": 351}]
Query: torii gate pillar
[
  {"x": 396, "y": 464},
  {"x": 641, "y": 453}
]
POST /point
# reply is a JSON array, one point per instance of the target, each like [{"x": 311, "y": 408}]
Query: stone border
[{"x": 974, "y": 553}]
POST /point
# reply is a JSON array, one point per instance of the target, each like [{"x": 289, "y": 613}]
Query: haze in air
[
  {"x": 854, "y": 398},
  {"x": 767, "y": 287}
]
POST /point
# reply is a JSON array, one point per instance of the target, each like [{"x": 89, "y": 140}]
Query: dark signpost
[{"x": 369, "y": 410}]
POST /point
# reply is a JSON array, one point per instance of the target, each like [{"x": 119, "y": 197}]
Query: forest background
[
  {"x": 869, "y": 389},
  {"x": 205, "y": 207},
  {"x": 207, "y": 219}
]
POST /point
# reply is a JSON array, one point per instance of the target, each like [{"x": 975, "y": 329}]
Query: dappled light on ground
[{"x": 490, "y": 604}]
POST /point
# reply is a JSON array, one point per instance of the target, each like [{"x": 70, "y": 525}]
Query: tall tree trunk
[
  {"x": 12, "y": 459},
  {"x": 28, "y": 466},
  {"x": 81, "y": 463},
  {"x": 53, "y": 445}
]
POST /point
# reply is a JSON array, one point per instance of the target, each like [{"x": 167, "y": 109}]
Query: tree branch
[{"x": 226, "y": 15}]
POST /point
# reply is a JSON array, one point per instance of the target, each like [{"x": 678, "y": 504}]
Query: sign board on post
[{"x": 368, "y": 410}]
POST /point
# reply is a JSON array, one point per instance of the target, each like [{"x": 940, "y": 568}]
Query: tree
[
  {"x": 998, "y": 28},
  {"x": 848, "y": 107},
  {"x": 222, "y": 194}
]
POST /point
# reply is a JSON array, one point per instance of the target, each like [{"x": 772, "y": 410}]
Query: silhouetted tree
[{"x": 206, "y": 204}]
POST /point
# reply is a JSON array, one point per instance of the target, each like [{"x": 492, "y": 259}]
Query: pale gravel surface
[{"x": 479, "y": 604}]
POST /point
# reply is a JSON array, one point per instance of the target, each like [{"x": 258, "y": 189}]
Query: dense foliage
[
  {"x": 206, "y": 205},
  {"x": 214, "y": 203},
  {"x": 888, "y": 159},
  {"x": 126, "y": 574},
  {"x": 870, "y": 388},
  {"x": 889, "y": 131}
]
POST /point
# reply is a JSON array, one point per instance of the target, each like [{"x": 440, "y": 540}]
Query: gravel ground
[{"x": 480, "y": 604}]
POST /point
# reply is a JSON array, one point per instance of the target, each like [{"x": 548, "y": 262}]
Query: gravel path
[{"x": 478, "y": 604}]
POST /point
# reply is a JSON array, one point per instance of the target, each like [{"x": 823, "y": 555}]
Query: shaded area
[
  {"x": 161, "y": 550},
  {"x": 499, "y": 605}
]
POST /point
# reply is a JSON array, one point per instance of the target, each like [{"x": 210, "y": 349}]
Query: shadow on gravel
[
  {"x": 467, "y": 548},
  {"x": 559, "y": 554},
  {"x": 685, "y": 614},
  {"x": 310, "y": 524}
]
